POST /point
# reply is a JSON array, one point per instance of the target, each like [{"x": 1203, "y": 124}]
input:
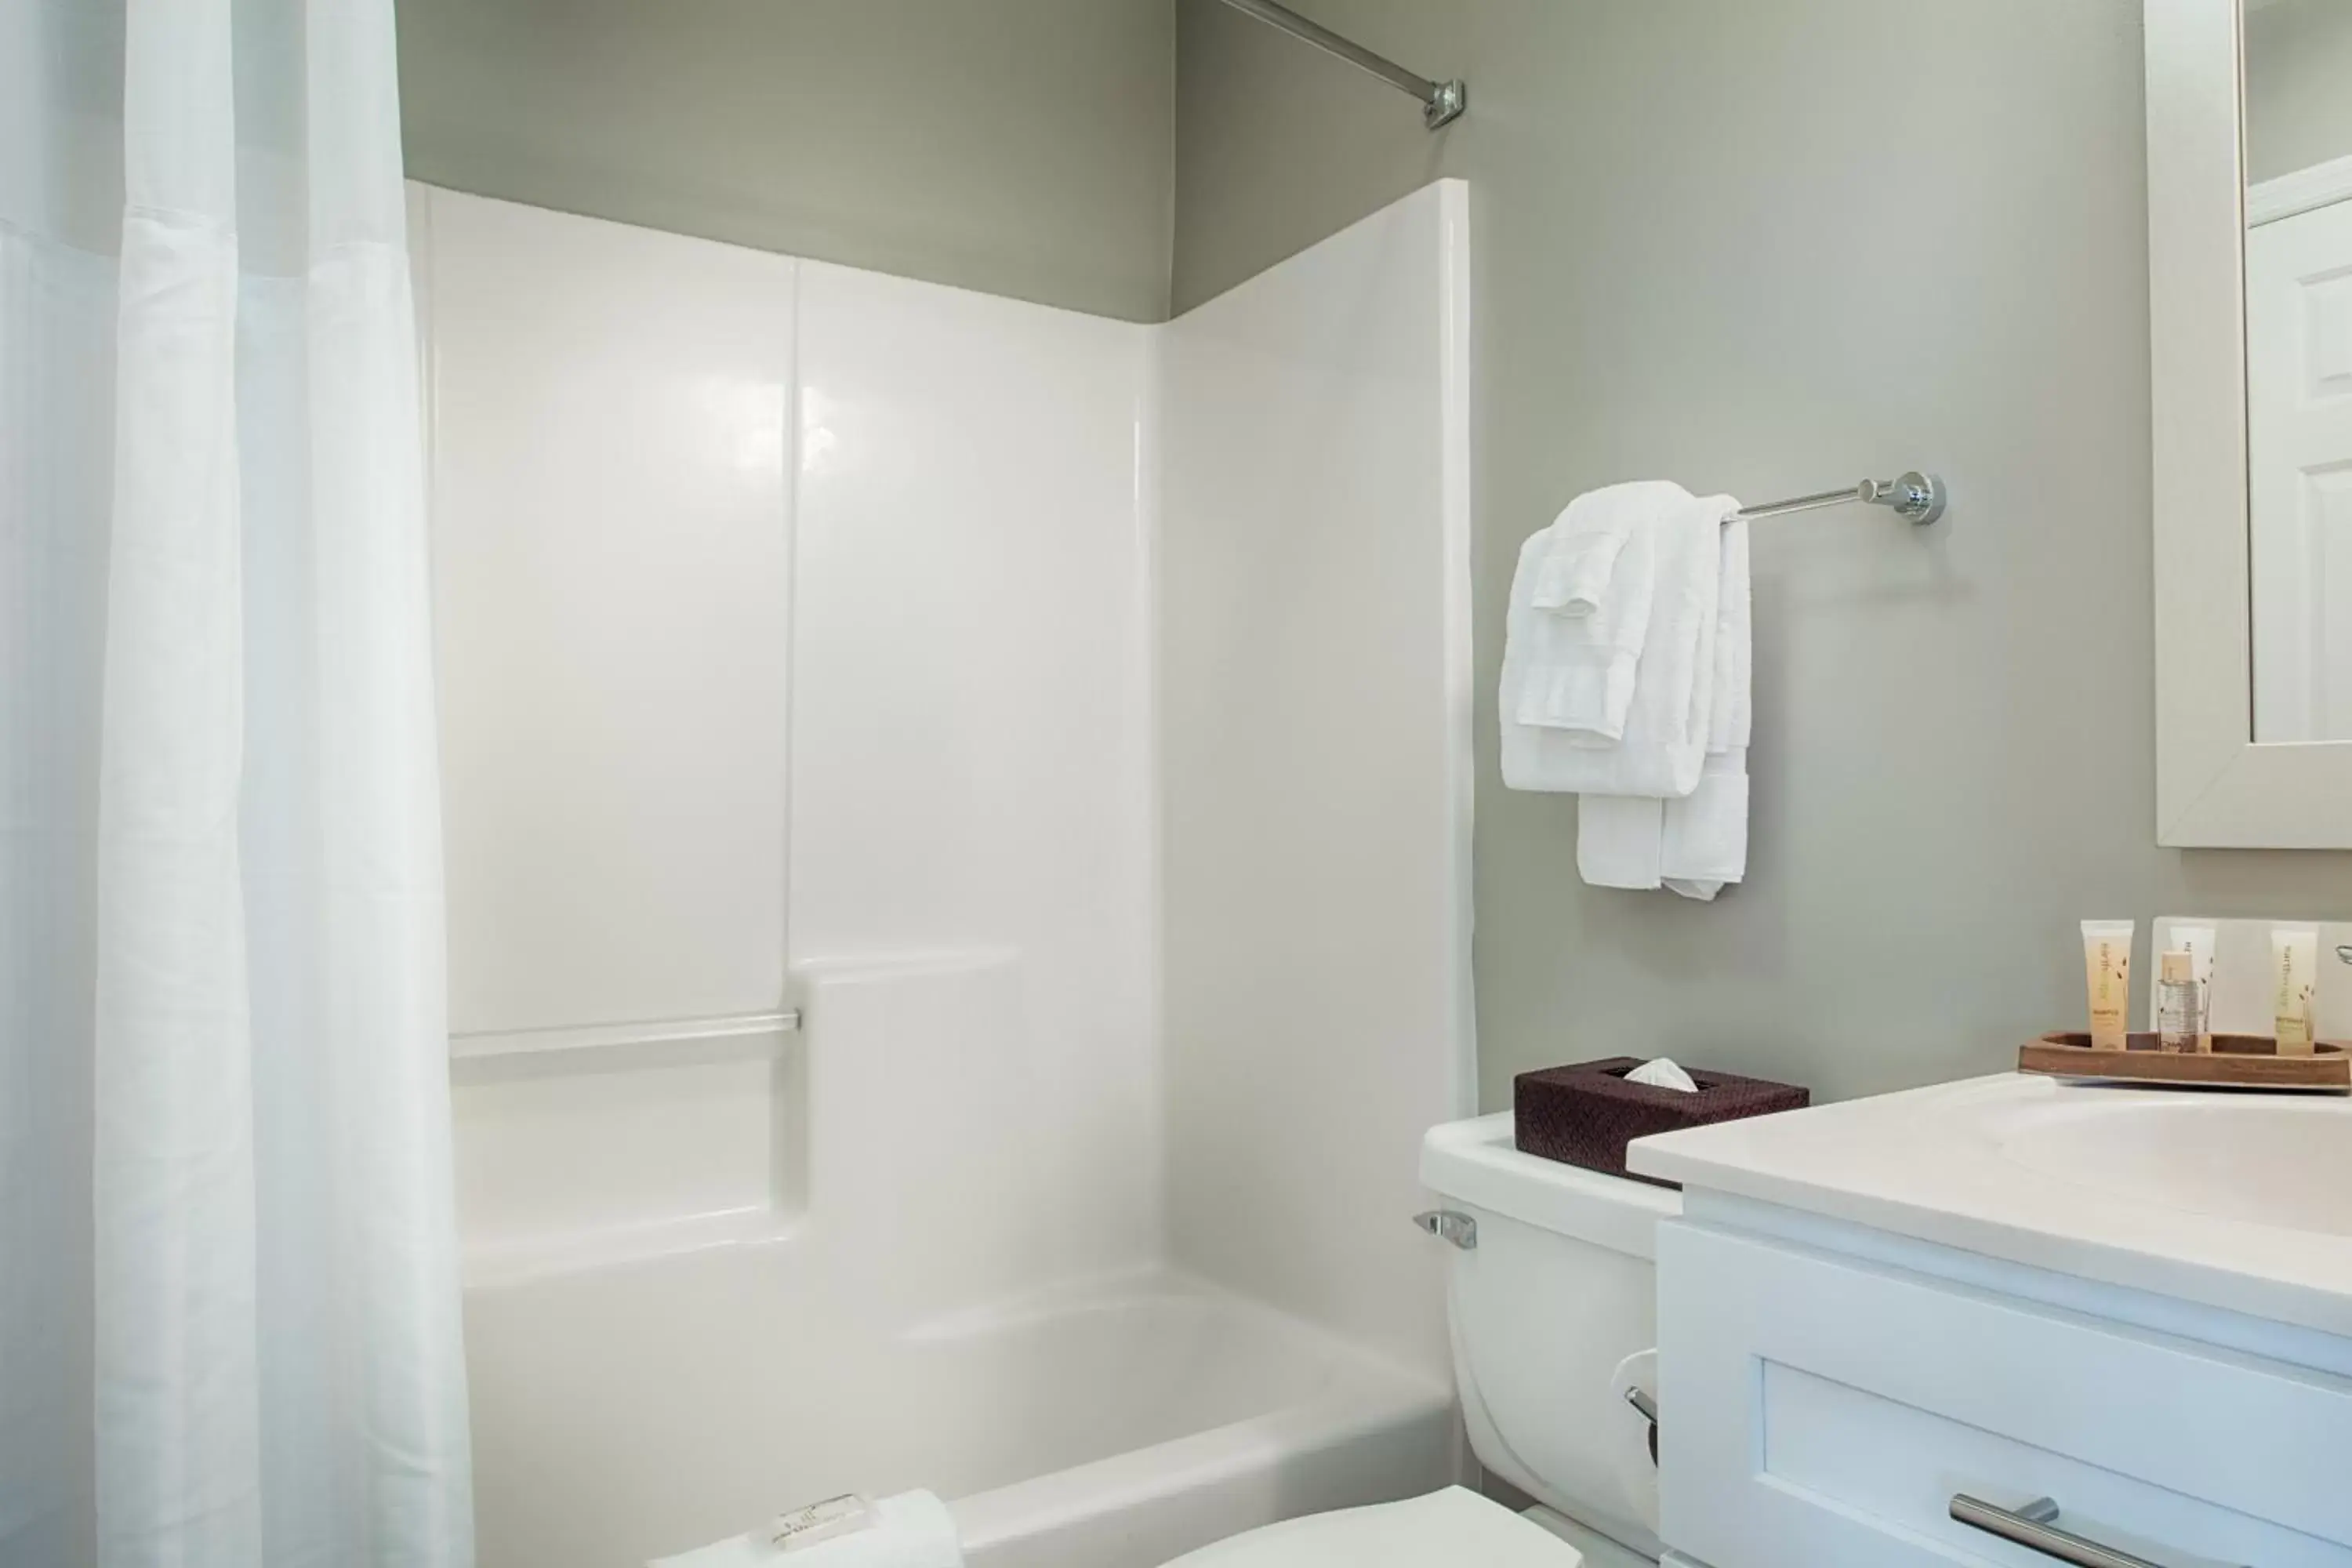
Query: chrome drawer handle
[{"x": 2035, "y": 1526}]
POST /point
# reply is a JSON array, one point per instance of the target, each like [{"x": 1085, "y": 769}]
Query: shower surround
[{"x": 959, "y": 837}]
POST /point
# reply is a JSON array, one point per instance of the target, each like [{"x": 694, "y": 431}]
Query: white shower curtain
[{"x": 229, "y": 1331}]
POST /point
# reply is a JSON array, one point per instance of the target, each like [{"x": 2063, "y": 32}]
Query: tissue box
[{"x": 1585, "y": 1114}]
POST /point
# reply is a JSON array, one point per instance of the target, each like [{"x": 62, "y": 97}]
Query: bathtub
[{"x": 634, "y": 1411}]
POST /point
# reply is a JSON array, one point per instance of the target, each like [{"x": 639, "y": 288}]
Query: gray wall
[
  {"x": 1021, "y": 147},
  {"x": 1712, "y": 241},
  {"x": 2298, "y": 85}
]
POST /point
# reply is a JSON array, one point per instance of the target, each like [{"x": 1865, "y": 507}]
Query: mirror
[
  {"x": 2297, "y": 115},
  {"x": 2249, "y": 354}
]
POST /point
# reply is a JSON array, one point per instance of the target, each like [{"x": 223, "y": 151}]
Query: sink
[
  {"x": 2283, "y": 1164},
  {"x": 2240, "y": 1201}
]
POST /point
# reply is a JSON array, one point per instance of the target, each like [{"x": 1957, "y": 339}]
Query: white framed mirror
[{"x": 2250, "y": 298}]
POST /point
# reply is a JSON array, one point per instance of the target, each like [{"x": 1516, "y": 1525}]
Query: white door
[{"x": 2299, "y": 416}]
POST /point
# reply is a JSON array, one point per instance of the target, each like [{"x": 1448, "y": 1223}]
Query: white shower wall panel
[
  {"x": 611, "y": 538},
  {"x": 792, "y": 622},
  {"x": 1314, "y": 683},
  {"x": 972, "y": 722}
]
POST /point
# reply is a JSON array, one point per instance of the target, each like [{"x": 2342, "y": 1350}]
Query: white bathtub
[{"x": 635, "y": 1411}]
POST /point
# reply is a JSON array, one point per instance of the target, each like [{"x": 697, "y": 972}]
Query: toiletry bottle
[
  {"x": 2106, "y": 970},
  {"x": 2295, "y": 973},
  {"x": 2196, "y": 939},
  {"x": 2177, "y": 1021}
]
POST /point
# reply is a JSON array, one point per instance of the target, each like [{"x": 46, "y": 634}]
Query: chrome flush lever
[
  {"x": 1447, "y": 1225},
  {"x": 1647, "y": 1409}
]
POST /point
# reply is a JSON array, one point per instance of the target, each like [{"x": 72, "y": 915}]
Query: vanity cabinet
[{"x": 1822, "y": 1409}]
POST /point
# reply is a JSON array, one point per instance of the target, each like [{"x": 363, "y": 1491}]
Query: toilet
[{"x": 1551, "y": 1295}]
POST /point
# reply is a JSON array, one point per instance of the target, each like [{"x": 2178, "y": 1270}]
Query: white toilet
[{"x": 1552, "y": 1295}]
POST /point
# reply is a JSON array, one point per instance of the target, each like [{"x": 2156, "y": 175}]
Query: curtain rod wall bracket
[
  {"x": 1447, "y": 104},
  {"x": 1441, "y": 102}
]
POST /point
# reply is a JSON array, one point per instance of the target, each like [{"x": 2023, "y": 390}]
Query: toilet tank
[{"x": 1552, "y": 1311}]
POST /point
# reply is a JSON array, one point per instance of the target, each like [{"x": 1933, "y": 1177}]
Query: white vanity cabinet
[{"x": 1824, "y": 1407}]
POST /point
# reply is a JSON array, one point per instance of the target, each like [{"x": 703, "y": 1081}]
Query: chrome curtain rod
[
  {"x": 1441, "y": 102},
  {"x": 1916, "y": 497}
]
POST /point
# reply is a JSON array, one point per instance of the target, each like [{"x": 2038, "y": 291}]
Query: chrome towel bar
[{"x": 1914, "y": 497}]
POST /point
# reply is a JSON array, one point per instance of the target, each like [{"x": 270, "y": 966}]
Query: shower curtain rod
[{"x": 1441, "y": 102}]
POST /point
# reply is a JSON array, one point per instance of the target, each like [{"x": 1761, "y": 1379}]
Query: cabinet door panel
[{"x": 1822, "y": 1411}]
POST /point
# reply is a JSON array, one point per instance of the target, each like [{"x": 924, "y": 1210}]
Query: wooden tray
[{"x": 2236, "y": 1061}]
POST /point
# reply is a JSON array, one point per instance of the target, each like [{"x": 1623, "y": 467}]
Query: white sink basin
[
  {"x": 2239, "y": 1202},
  {"x": 2285, "y": 1164}
]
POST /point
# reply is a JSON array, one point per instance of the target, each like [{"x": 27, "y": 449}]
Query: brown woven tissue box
[{"x": 1587, "y": 1113}]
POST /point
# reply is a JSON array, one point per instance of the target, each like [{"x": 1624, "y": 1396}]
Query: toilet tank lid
[{"x": 1477, "y": 1163}]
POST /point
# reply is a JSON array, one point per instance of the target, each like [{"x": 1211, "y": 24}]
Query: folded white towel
[
  {"x": 1706, "y": 833},
  {"x": 1696, "y": 843},
  {"x": 1578, "y": 570},
  {"x": 1582, "y": 598},
  {"x": 1620, "y": 841},
  {"x": 1703, "y": 841},
  {"x": 1734, "y": 643},
  {"x": 1663, "y": 744},
  {"x": 912, "y": 1529}
]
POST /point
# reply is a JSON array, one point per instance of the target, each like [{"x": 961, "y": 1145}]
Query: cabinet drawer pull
[{"x": 2035, "y": 1526}]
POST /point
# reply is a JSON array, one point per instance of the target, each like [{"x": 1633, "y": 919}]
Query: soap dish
[{"x": 2236, "y": 1061}]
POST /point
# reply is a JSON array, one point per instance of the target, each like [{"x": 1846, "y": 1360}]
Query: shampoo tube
[
  {"x": 2106, "y": 971},
  {"x": 2294, "y": 970},
  {"x": 2196, "y": 942}
]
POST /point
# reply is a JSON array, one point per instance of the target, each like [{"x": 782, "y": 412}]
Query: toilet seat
[{"x": 1442, "y": 1530}]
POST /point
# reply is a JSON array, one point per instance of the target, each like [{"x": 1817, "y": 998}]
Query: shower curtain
[{"x": 229, "y": 1331}]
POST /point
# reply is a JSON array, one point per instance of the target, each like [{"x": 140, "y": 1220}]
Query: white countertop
[{"x": 1983, "y": 1165}]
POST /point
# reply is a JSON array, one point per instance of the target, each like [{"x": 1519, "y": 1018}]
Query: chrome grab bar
[{"x": 2035, "y": 1527}]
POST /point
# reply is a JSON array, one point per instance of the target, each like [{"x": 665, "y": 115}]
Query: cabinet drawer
[{"x": 1820, "y": 1412}]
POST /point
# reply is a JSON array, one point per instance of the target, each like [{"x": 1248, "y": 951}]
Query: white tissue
[{"x": 1661, "y": 1073}]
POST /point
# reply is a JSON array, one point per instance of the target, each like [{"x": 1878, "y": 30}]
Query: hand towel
[
  {"x": 1703, "y": 841},
  {"x": 912, "y": 1529},
  {"x": 1706, "y": 833},
  {"x": 1583, "y": 592},
  {"x": 1662, "y": 748},
  {"x": 1620, "y": 841}
]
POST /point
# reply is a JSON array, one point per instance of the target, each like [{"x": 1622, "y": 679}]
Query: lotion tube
[
  {"x": 2295, "y": 972},
  {"x": 2106, "y": 971},
  {"x": 2196, "y": 942}
]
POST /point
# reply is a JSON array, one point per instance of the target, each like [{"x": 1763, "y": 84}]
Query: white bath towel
[
  {"x": 912, "y": 1529},
  {"x": 1696, "y": 843},
  {"x": 1706, "y": 833},
  {"x": 1662, "y": 748}
]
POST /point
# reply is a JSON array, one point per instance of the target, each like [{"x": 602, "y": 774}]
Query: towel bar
[{"x": 1916, "y": 497}]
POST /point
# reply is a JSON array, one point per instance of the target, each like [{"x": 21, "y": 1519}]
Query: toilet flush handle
[
  {"x": 1647, "y": 1408},
  {"x": 1448, "y": 1226}
]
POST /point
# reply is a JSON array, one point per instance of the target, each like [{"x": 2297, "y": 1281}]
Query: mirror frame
[{"x": 2214, "y": 786}]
